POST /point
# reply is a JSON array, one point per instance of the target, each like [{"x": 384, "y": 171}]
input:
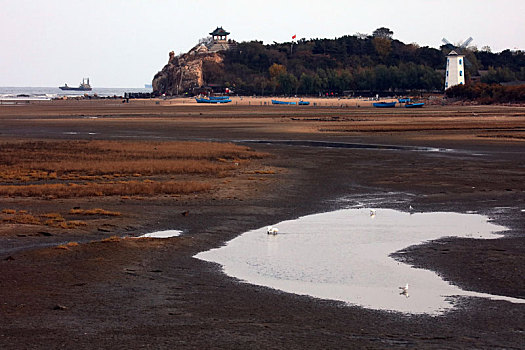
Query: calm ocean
[{"x": 47, "y": 93}]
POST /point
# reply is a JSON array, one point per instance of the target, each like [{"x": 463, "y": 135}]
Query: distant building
[
  {"x": 455, "y": 73},
  {"x": 220, "y": 41}
]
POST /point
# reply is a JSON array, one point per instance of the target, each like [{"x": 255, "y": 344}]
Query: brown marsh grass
[
  {"x": 112, "y": 239},
  {"x": 11, "y": 216},
  {"x": 66, "y": 169},
  {"x": 67, "y": 246},
  {"x": 94, "y": 211},
  {"x": 53, "y": 158},
  {"x": 104, "y": 189}
]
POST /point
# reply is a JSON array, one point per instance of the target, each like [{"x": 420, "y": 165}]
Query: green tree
[
  {"x": 382, "y": 78},
  {"x": 498, "y": 75},
  {"x": 307, "y": 84},
  {"x": 287, "y": 83},
  {"x": 261, "y": 83}
]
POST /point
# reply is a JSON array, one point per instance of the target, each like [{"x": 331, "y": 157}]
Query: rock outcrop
[{"x": 184, "y": 73}]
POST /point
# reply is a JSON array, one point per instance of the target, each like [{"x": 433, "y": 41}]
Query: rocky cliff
[{"x": 183, "y": 73}]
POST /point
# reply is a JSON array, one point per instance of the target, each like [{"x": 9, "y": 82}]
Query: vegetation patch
[
  {"x": 22, "y": 217},
  {"x": 104, "y": 189},
  {"x": 95, "y": 211},
  {"x": 488, "y": 94},
  {"x": 67, "y": 246},
  {"x": 112, "y": 239},
  {"x": 68, "y": 169}
]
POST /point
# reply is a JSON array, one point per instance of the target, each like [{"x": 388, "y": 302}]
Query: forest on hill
[{"x": 357, "y": 64}]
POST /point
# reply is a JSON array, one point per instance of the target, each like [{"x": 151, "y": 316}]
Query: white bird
[{"x": 272, "y": 230}]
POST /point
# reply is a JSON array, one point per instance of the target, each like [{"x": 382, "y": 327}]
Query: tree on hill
[{"x": 383, "y": 32}]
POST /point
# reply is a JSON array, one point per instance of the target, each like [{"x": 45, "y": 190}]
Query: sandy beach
[{"x": 110, "y": 292}]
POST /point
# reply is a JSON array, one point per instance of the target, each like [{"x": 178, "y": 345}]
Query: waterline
[{"x": 345, "y": 255}]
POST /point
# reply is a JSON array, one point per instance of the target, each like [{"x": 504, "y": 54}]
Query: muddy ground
[{"x": 150, "y": 293}]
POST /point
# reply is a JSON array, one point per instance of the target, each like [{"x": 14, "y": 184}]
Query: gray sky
[{"x": 123, "y": 43}]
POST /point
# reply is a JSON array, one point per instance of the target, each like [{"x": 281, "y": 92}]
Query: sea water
[
  {"x": 345, "y": 255},
  {"x": 47, "y": 93}
]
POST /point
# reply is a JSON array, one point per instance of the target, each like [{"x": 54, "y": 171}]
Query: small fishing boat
[
  {"x": 276, "y": 102},
  {"x": 404, "y": 100},
  {"x": 385, "y": 104},
  {"x": 207, "y": 100},
  {"x": 415, "y": 105},
  {"x": 219, "y": 98},
  {"x": 304, "y": 103}
]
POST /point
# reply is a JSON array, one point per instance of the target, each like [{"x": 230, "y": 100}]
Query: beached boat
[
  {"x": 404, "y": 100},
  {"x": 304, "y": 103},
  {"x": 276, "y": 102},
  {"x": 207, "y": 100},
  {"x": 385, "y": 104},
  {"x": 219, "y": 97},
  {"x": 415, "y": 105},
  {"x": 82, "y": 87}
]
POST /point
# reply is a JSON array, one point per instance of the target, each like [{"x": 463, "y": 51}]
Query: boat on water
[
  {"x": 385, "y": 104},
  {"x": 277, "y": 102},
  {"x": 415, "y": 105},
  {"x": 84, "y": 86},
  {"x": 207, "y": 100}
]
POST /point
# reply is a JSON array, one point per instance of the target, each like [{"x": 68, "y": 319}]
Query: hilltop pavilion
[
  {"x": 220, "y": 41},
  {"x": 219, "y": 34}
]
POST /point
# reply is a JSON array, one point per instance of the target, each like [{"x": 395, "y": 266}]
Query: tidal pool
[
  {"x": 344, "y": 255},
  {"x": 163, "y": 234}
]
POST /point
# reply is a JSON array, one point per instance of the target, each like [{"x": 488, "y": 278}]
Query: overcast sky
[{"x": 123, "y": 43}]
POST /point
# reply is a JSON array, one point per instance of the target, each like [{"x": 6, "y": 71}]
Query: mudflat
[{"x": 73, "y": 277}]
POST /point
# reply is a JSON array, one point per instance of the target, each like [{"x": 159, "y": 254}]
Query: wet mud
[{"x": 152, "y": 293}]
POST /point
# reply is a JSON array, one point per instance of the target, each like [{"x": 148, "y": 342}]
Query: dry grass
[
  {"x": 67, "y": 169},
  {"x": 263, "y": 172},
  {"x": 52, "y": 159},
  {"x": 104, "y": 189},
  {"x": 22, "y": 217},
  {"x": 67, "y": 246},
  {"x": 95, "y": 211},
  {"x": 111, "y": 239}
]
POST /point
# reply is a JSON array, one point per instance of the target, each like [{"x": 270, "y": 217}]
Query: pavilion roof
[{"x": 219, "y": 32}]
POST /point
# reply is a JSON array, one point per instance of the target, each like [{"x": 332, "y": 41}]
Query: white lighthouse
[{"x": 455, "y": 74}]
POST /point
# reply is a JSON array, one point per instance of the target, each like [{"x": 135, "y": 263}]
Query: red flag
[{"x": 294, "y": 36}]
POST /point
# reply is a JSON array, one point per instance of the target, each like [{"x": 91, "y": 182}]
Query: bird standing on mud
[
  {"x": 272, "y": 230},
  {"x": 404, "y": 290}
]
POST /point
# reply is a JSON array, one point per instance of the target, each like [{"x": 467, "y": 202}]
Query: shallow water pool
[
  {"x": 344, "y": 255},
  {"x": 163, "y": 234}
]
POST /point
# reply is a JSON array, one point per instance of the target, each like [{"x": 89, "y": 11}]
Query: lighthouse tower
[{"x": 455, "y": 74}]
